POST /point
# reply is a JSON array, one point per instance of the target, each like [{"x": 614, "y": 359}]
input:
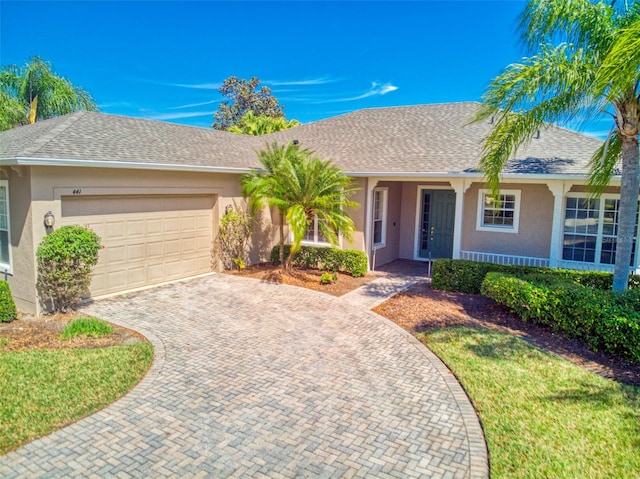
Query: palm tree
[
  {"x": 586, "y": 61},
  {"x": 39, "y": 93},
  {"x": 302, "y": 188},
  {"x": 265, "y": 186},
  {"x": 250, "y": 124},
  {"x": 318, "y": 191}
]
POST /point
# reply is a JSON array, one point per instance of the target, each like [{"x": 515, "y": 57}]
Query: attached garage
[{"x": 147, "y": 239}]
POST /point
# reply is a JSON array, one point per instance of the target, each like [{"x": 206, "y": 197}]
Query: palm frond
[
  {"x": 620, "y": 71},
  {"x": 582, "y": 23},
  {"x": 603, "y": 163}
]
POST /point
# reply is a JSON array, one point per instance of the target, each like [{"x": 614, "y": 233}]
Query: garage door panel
[
  {"x": 155, "y": 249},
  {"x": 172, "y": 247},
  {"x": 136, "y": 252},
  {"x": 136, "y": 228},
  {"x": 153, "y": 226},
  {"x": 114, "y": 230},
  {"x": 171, "y": 225},
  {"x": 188, "y": 245},
  {"x": 146, "y": 240},
  {"x": 155, "y": 273}
]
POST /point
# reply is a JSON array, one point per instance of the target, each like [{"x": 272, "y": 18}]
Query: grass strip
[
  {"x": 543, "y": 417},
  {"x": 45, "y": 390},
  {"x": 84, "y": 326}
]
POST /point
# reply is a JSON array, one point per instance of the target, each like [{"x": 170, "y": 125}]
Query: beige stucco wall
[
  {"x": 358, "y": 215},
  {"x": 22, "y": 280},
  {"x": 534, "y": 234},
  {"x": 46, "y": 185},
  {"x": 389, "y": 252}
]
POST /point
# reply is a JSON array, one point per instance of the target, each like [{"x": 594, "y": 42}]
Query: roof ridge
[{"x": 44, "y": 139}]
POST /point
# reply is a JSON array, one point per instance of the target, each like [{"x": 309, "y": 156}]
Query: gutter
[
  {"x": 412, "y": 175},
  {"x": 22, "y": 161},
  {"x": 381, "y": 175}
]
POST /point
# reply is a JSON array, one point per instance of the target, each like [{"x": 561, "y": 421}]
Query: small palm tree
[
  {"x": 38, "y": 93},
  {"x": 302, "y": 188},
  {"x": 586, "y": 61},
  {"x": 317, "y": 190},
  {"x": 250, "y": 124},
  {"x": 264, "y": 187}
]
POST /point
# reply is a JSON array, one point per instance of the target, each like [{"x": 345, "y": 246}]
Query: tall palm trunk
[
  {"x": 629, "y": 184},
  {"x": 281, "y": 250}
]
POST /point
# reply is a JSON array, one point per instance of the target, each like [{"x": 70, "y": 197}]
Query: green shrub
[
  {"x": 353, "y": 262},
  {"x": 528, "y": 301},
  {"x": 65, "y": 260},
  {"x": 328, "y": 278},
  {"x": 7, "y": 307},
  {"x": 466, "y": 276},
  {"x": 604, "y": 320},
  {"x": 230, "y": 245},
  {"x": 86, "y": 327}
]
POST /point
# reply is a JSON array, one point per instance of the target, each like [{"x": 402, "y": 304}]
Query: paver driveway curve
[{"x": 253, "y": 379}]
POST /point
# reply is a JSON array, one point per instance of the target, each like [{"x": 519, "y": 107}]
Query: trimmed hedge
[
  {"x": 65, "y": 260},
  {"x": 467, "y": 276},
  {"x": 603, "y": 319},
  {"x": 351, "y": 261},
  {"x": 7, "y": 307}
]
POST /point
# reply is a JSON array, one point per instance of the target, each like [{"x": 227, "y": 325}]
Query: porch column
[
  {"x": 558, "y": 188},
  {"x": 368, "y": 233},
  {"x": 460, "y": 186}
]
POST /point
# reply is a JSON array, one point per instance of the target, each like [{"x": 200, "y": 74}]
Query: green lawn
[
  {"x": 543, "y": 417},
  {"x": 42, "y": 391}
]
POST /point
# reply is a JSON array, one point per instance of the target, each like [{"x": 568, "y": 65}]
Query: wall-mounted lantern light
[{"x": 49, "y": 221}]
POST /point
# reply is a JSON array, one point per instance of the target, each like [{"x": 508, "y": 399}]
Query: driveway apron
[{"x": 253, "y": 379}]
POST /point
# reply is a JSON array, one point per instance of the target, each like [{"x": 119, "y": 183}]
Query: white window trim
[
  {"x": 4, "y": 266},
  {"x": 384, "y": 191},
  {"x": 496, "y": 228},
  {"x": 600, "y": 232},
  {"x": 315, "y": 235}
]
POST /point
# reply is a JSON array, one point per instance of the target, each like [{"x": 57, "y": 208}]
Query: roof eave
[
  {"x": 464, "y": 174},
  {"x": 23, "y": 161}
]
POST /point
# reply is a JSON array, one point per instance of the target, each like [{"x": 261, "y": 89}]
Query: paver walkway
[{"x": 253, "y": 379}]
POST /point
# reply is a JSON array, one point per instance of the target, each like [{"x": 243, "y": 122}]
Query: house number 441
[{"x": 77, "y": 191}]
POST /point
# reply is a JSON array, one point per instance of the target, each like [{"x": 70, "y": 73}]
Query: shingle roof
[
  {"x": 414, "y": 139},
  {"x": 432, "y": 138},
  {"x": 96, "y": 136}
]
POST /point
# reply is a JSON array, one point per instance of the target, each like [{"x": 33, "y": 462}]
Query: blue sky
[{"x": 165, "y": 60}]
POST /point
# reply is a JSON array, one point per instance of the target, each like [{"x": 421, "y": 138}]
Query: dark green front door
[{"x": 437, "y": 219}]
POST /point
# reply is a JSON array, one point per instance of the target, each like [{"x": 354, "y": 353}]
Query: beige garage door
[{"x": 147, "y": 239}]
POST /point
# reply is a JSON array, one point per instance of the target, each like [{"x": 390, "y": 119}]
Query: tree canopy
[
  {"x": 35, "y": 92},
  {"x": 585, "y": 60},
  {"x": 243, "y": 96},
  {"x": 250, "y": 124}
]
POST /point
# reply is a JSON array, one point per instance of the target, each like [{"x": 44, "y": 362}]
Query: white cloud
[
  {"x": 196, "y": 86},
  {"x": 191, "y": 105},
  {"x": 311, "y": 81},
  {"x": 178, "y": 116},
  {"x": 375, "y": 90}
]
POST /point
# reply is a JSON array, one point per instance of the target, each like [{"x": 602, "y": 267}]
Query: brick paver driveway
[{"x": 260, "y": 380}]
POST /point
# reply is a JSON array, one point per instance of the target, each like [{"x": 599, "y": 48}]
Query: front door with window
[{"x": 437, "y": 221}]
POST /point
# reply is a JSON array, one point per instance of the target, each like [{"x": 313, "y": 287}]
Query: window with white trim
[
  {"x": 501, "y": 214},
  {"x": 379, "y": 217},
  {"x": 313, "y": 234},
  {"x": 591, "y": 229},
  {"x": 5, "y": 243}
]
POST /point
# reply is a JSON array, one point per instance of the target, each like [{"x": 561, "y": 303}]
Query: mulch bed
[
  {"x": 421, "y": 308},
  {"x": 30, "y": 332},
  {"x": 305, "y": 278}
]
